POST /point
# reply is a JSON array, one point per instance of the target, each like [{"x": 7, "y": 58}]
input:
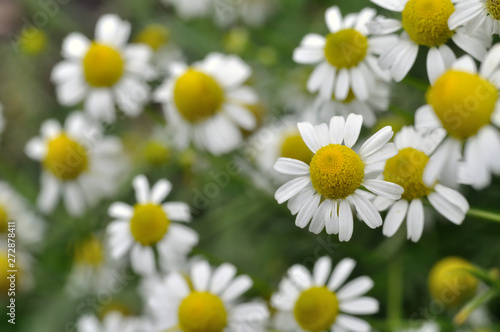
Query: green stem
[
  {"x": 492, "y": 216},
  {"x": 395, "y": 292}
]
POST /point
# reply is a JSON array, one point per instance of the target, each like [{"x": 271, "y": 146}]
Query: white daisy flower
[
  {"x": 148, "y": 224},
  {"x": 325, "y": 190},
  {"x": 424, "y": 23},
  {"x": 79, "y": 164},
  {"x": 378, "y": 101},
  {"x": 30, "y": 228},
  {"x": 189, "y": 9},
  {"x": 475, "y": 14},
  {"x": 465, "y": 102},
  {"x": 104, "y": 72},
  {"x": 252, "y": 13},
  {"x": 209, "y": 301},
  {"x": 112, "y": 322},
  {"x": 205, "y": 103},
  {"x": 406, "y": 169},
  {"x": 345, "y": 56},
  {"x": 321, "y": 301}
]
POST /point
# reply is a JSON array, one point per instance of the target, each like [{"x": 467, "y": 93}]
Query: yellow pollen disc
[
  {"x": 293, "y": 147},
  {"x": 90, "y": 252},
  {"x": 350, "y": 97},
  {"x": 345, "y": 48},
  {"x": 463, "y": 102},
  {"x": 450, "y": 283},
  {"x": 426, "y": 21},
  {"x": 406, "y": 169},
  {"x": 103, "y": 66},
  {"x": 4, "y": 220},
  {"x": 336, "y": 171},
  {"x": 66, "y": 159},
  {"x": 316, "y": 309},
  {"x": 197, "y": 96},
  {"x": 156, "y": 153},
  {"x": 154, "y": 35},
  {"x": 493, "y": 7},
  {"x": 202, "y": 312},
  {"x": 149, "y": 223}
]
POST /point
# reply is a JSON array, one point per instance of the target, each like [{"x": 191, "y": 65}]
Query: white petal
[
  {"x": 340, "y": 273},
  {"x": 453, "y": 196},
  {"x": 243, "y": 95},
  {"x": 352, "y": 129},
  {"x": 360, "y": 306},
  {"x": 323, "y": 134},
  {"x": 415, "y": 220},
  {"x": 396, "y": 5},
  {"x": 307, "y": 211},
  {"x": 100, "y": 105},
  {"x": 300, "y": 276},
  {"x": 121, "y": 211},
  {"x": 239, "y": 286},
  {"x": 337, "y": 124},
  {"x": 321, "y": 271},
  {"x": 36, "y": 149},
  {"x": 142, "y": 260},
  {"x": 309, "y": 136},
  {"x": 387, "y": 151},
  {"x": 160, "y": 191},
  {"x": 75, "y": 46},
  {"x": 177, "y": 211},
  {"x": 470, "y": 45},
  {"x": 449, "y": 210},
  {"x": 49, "y": 193},
  {"x": 384, "y": 188},
  {"x": 333, "y": 19},
  {"x": 375, "y": 142},
  {"x": 291, "y": 166},
  {"x": 242, "y": 116},
  {"x": 426, "y": 118},
  {"x": 490, "y": 63},
  {"x": 141, "y": 187},
  {"x": 291, "y": 188},
  {"x": 200, "y": 275},
  {"x": 318, "y": 77},
  {"x": 318, "y": 221},
  {"x": 355, "y": 288},
  {"x": 367, "y": 211},
  {"x": 465, "y": 63},
  {"x": 395, "y": 217},
  {"x": 110, "y": 29},
  {"x": 435, "y": 64},
  {"x": 73, "y": 199},
  {"x": 346, "y": 225},
  {"x": 351, "y": 323},
  {"x": 342, "y": 85},
  {"x": 307, "y": 56},
  {"x": 221, "y": 278},
  {"x": 461, "y": 16},
  {"x": 403, "y": 63},
  {"x": 359, "y": 84}
]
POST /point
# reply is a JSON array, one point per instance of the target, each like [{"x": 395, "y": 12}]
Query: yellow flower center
[
  {"x": 103, "y": 66},
  {"x": 336, "y": 171},
  {"x": 406, "y": 169},
  {"x": 426, "y": 21},
  {"x": 293, "y": 147},
  {"x": 154, "y": 35},
  {"x": 90, "y": 252},
  {"x": 316, "y": 309},
  {"x": 149, "y": 223},
  {"x": 202, "y": 312},
  {"x": 451, "y": 283},
  {"x": 4, "y": 220},
  {"x": 33, "y": 41},
  {"x": 345, "y": 48},
  {"x": 197, "y": 96},
  {"x": 156, "y": 153},
  {"x": 493, "y": 7},
  {"x": 350, "y": 97},
  {"x": 463, "y": 102},
  {"x": 66, "y": 158}
]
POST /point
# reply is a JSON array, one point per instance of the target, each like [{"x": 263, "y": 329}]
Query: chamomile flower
[
  {"x": 204, "y": 103},
  {"x": 104, "y": 72},
  {"x": 465, "y": 102},
  {"x": 78, "y": 163},
  {"x": 206, "y": 300},
  {"x": 424, "y": 23},
  {"x": 406, "y": 169},
  {"x": 112, "y": 322},
  {"x": 473, "y": 14},
  {"x": 149, "y": 223},
  {"x": 345, "y": 56},
  {"x": 325, "y": 190},
  {"x": 322, "y": 300},
  {"x": 30, "y": 228}
]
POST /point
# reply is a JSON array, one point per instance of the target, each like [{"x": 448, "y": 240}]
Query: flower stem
[
  {"x": 492, "y": 216},
  {"x": 395, "y": 291}
]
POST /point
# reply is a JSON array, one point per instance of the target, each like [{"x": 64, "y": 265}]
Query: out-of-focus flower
[
  {"x": 252, "y": 13},
  {"x": 148, "y": 224},
  {"x": 189, "y": 9},
  {"x": 112, "y": 322},
  {"x": 236, "y": 40},
  {"x": 33, "y": 41},
  {"x": 406, "y": 169},
  {"x": 205, "y": 103},
  {"x": 20, "y": 261},
  {"x": 104, "y": 72},
  {"x": 79, "y": 164},
  {"x": 474, "y": 15},
  {"x": 321, "y": 301},
  {"x": 464, "y": 101},
  {"x": 207, "y": 300},
  {"x": 451, "y": 283},
  {"x": 425, "y": 23},
  {"x": 325, "y": 190}
]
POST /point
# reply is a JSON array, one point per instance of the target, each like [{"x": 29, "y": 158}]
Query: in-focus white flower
[
  {"x": 465, "y": 102},
  {"x": 205, "y": 103},
  {"x": 345, "y": 56},
  {"x": 104, "y": 72},
  {"x": 325, "y": 190},
  {"x": 322, "y": 300},
  {"x": 112, "y": 322},
  {"x": 149, "y": 223},
  {"x": 476, "y": 14},
  {"x": 424, "y": 23},
  {"x": 207, "y": 300},
  {"x": 406, "y": 169},
  {"x": 29, "y": 227},
  {"x": 79, "y": 164}
]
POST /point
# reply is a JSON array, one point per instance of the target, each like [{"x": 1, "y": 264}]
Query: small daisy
[
  {"x": 345, "y": 56},
  {"x": 30, "y": 228},
  {"x": 79, "y": 163},
  {"x": 473, "y": 14},
  {"x": 466, "y": 104},
  {"x": 112, "y": 322},
  {"x": 378, "y": 101},
  {"x": 205, "y": 103},
  {"x": 321, "y": 301},
  {"x": 206, "y": 300},
  {"x": 325, "y": 190},
  {"x": 406, "y": 169},
  {"x": 148, "y": 224},
  {"x": 104, "y": 71},
  {"x": 425, "y": 23},
  {"x": 189, "y": 9}
]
